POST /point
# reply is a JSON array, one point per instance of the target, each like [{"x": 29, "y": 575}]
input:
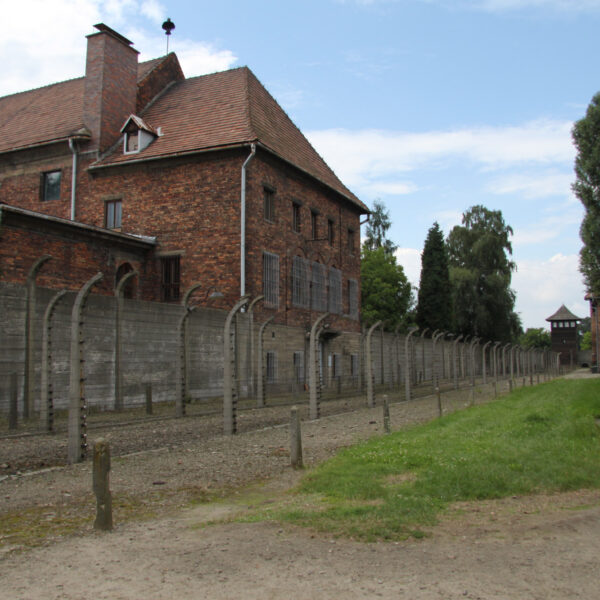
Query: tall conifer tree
[{"x": 434, "y": 307}]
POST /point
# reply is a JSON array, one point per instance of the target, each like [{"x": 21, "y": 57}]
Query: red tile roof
[
  {"x": 226, "y": 109},
  {"x": 214, "y": 111},
  {"x": 48, "y": 114}
]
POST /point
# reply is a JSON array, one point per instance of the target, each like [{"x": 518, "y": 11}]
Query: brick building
[{"x": 204, "y": 179}]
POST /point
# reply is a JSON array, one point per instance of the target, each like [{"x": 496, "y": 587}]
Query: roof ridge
[
  {"x": 300, "y": 132},
  {"x": 41, "y": 87},
  {"x": 247, "y": 103}
]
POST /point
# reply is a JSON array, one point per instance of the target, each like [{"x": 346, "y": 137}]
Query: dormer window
[
  {"x": 137, "y": 135},
  {"x": 132, "y": 142}
]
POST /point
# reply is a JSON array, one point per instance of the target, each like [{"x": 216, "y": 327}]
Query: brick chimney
[{"x": 110, "y": 85}]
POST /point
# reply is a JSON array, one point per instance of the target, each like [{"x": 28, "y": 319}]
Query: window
[
  {"x": 299, "y": 367},
  {"x": 353, "y": 298},
  {"x": 300, "y": 282},
  {"x": 351, "y": 241},
  {"x": 337, "y": 366},
  {"x": 171, "y": 277},
  {"x": 318, "y": 291},
  {"x": 50, "y": 186},
  {"x": 314, "y": 225},
  {"x": 296, "y": 217},
  {"x": 271, "y": 367},
  {"x": 271, "y": 279},
  {"x": 132, "y": 142},
  {"x": 330, "y": 231},
  {"x": 269, "y": 204},
  {"x": 335, "y": 291},
  {"x": 112, "y": 214},
  {"x": 354, "y": 365}
]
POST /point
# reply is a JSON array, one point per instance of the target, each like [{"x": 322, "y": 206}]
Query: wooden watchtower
[{"x": 563, "y": 335}]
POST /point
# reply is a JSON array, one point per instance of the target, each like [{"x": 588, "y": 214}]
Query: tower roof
[{"x": 563, "y": 314}]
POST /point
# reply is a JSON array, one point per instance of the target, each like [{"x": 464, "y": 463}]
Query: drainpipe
[
  {"x": 73, "y": 177},
  {"x": 243, "y": 223}
]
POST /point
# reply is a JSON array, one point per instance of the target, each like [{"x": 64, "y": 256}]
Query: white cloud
[
  {"x": 364, "y": 156},
  {"x": 560, "y": 5},
  {"x": 543, "y": 285},
  {"x": 154, "y": 10},
  {"x": 410, "y": 259},
  {"x": 39, "y": 56},
  {"x": 540, "y": 185},
  {"x": 548, "y": 227}
]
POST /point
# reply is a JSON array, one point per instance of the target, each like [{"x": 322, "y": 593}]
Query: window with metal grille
[
  {"x": 269, "y": 204},
  {"x": 337, "y": 366},
  {"x": 335, "y": 291},
  {"x": 171, "y": 278},
  {"x": 112, "y": 214},
  {"x": 301, "y": 282},
  {"x": 353, "y": 298},
  {"x": 271, "y": 367},
  {"x": 50, "y": 187},
  {"x": 271, "y": 279},
  {"x": 299, "y": 367},
  {"x": 354, "y": 365},
  {"x": 319, "y": 287}
]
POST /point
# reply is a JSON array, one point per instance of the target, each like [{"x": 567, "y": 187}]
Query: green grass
[{"x": 538, "y": 439}]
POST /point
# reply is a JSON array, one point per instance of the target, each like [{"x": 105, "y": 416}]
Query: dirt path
[{"x": 517, "y": 548}]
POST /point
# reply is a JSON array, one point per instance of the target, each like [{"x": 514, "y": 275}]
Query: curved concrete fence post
[
  {"x": 435, "y": 336},
  {"x": 29, "y": 370},
  {"x": 463, "y": 360},
  {"x": 474, "y": 342},
  {"x": 251, "y": 372},
  {"x": 504, "y": 349},
  {"x": 397, "y": 355},
  {"x": 495, "y": 353},
  {"x": 77, "y": 444},
  {"x": 407, "y": 361},
  {"x": 119, "y": 338},
  {"x": 181, "y": 370},
  {"x": 484, "y": 362},
  {"x": 46, "y": 391},
  {"x": 185, "y": 342},
  {"x": 422, "y": 355},
  {"x": 369, "y": 365},
  {"x": 229, "y": 374},
  {"x": 455, "y": 360},
  {"x": 314, "y": 378},
  {"x": 260, "y": 376}
]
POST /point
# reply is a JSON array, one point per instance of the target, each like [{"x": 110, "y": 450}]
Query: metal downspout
[
  {"x": 243, "y": 223},
  {"x": 73, "y": 177}
]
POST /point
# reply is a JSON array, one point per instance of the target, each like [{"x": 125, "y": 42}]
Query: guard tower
[{"x": 563, "y": 335}]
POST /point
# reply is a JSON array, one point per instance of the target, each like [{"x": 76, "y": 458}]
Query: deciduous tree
[
  {"x": 480, "y": 274},
  {"x": 586, "y": 137}
]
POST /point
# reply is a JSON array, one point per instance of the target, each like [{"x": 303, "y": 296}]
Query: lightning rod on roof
[{"x": 168, "y": 26}]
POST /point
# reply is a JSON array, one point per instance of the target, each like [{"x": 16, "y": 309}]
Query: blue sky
[{"x": 430, "y": 106}]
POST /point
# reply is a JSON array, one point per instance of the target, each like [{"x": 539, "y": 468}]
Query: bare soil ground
[{"x": 530, "y": 547}]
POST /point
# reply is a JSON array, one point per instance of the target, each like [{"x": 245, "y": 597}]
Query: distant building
[{"x": 563, "y": 334}]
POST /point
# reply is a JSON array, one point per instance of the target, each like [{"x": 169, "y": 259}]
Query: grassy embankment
[{"x": 539, "y": 439}]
